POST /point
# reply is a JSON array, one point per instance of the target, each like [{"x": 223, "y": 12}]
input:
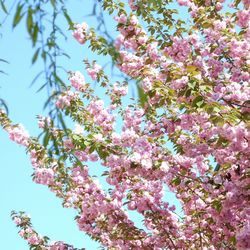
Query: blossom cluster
[
  {"x": 80, "y": 31},
  {"x": 34, "y": 240},
  {"x": 193, "y": 111}
]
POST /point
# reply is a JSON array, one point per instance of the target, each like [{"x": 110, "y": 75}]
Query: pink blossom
[
  {"x": 120, "y": 90},
  {"x": 19, "y": 134},
  {"x": 93, "y": 72},
  {"x": 44, "y": 176},
  {"x": 77, "y": 80},
  {"x": 44, "y": 121},
  {"x": 65, "y": 99},
  {"x": 34, "y": 239},
  {"x": 17, "y": 220},
  {"x": 243, "y": 18},
  {"x": 121, "y": 19},
  {"x": 79, "y": 32}
]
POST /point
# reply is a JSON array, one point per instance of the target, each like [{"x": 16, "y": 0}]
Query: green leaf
[
  {"x": 176, "y": 181},
  {"x": 18, "y": 15},
  {"x": 3, "y": 7},
  {"x": 246, "y": 116},
  {"x": 2, "y": 103},
  {"x": 192, "y": 84},
  {"x": 53, "y": 3},
  {"x": 141, "y": 94},
  {"x": 44, "y": 56},
  {"x": 29, "y": 21},
  {"x": 63, "y": 123},
  {"x": 217, "y": 120},
  {"x": 237, "y": 3},
  {"x": 102, "y": 152},
  {"x": 217, "y": 168},
  {"x": 217, "y": 205},
  {"x": 198, "y": 101},
  {"x": 191, "y": 68},
  {"x": 70, "y": 23},
  {"x": 2, "y": 72},
  {"x": 43, "y": 86},
  {"x": 34, "y": 35},
  {"x": 46, "y": 139},
  {"x": 34, "y": 58},
  {"x": 92, "y": 148},
  {"x": 188, "y": 92},
  {"x": 2, "y": 60},
  {"x": 232, "y": 239},
  {"x": 216, "y": 109},
  {"x": 55, "y": 145},
  {"x": 36, "y": 77},
  {"x": 59, "y": 81},
  {"x": 50, "y": 98},
  {"x": 222, "y": 142},
  {"x": 206, "y": 25}
]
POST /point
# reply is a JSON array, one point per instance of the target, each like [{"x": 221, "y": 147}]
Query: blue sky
[{"x": 17, "y": 191}]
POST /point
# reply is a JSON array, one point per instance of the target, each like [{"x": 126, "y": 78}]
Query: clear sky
[{"x": 17, "y": 191}]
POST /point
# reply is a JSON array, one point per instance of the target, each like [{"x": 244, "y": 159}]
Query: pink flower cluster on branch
[
  {"x": 35, "y": 240},
  {"x": 193, "y": 110}
]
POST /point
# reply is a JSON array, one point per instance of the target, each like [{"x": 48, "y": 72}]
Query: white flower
[{"x": 78, "y": 129}]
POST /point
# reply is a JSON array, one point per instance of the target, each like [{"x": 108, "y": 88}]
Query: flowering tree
[{"x": 193, "y": 78}]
